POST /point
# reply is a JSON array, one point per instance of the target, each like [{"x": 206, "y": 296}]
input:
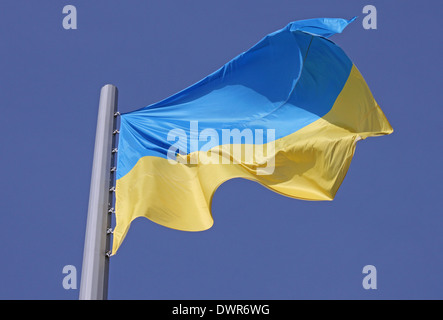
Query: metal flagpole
[{"x": 95, "y": 268}]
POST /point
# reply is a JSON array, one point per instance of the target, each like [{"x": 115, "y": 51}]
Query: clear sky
[{"x": 387, "y": 212}]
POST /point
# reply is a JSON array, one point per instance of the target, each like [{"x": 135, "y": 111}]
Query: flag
[{"x": 286, "y": 113}]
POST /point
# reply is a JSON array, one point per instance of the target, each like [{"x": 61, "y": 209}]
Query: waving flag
[{"x": 287, "y": 113}]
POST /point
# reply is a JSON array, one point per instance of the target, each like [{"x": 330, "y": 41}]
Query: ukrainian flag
[{"x": 301, "y": 97}]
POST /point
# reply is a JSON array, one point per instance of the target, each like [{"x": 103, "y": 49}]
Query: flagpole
[{"x": 95, "y": 268}]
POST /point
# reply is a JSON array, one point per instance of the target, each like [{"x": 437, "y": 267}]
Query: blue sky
[{"x": 387, "y": 212}]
